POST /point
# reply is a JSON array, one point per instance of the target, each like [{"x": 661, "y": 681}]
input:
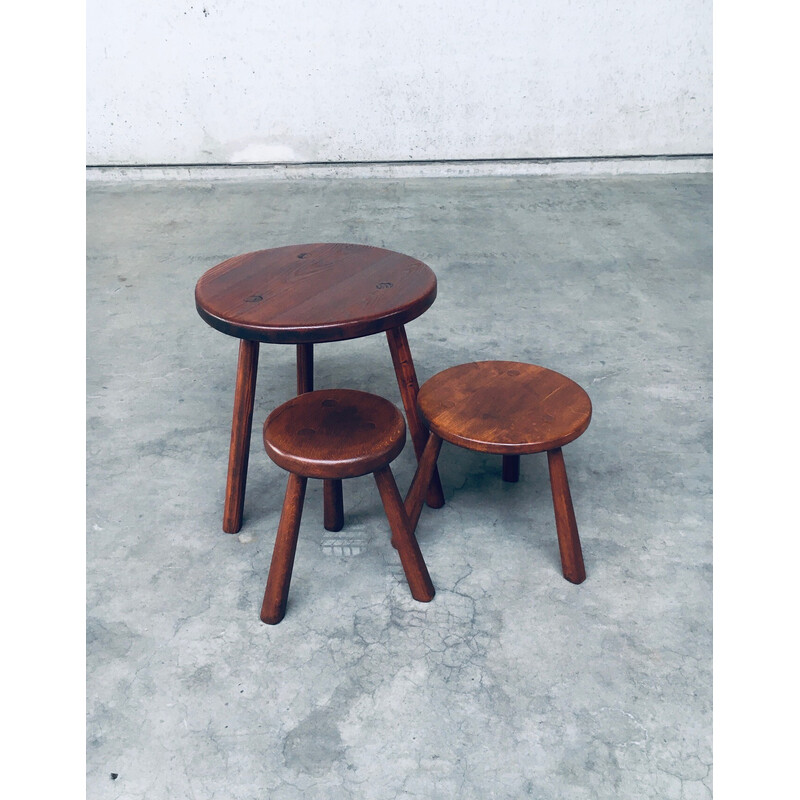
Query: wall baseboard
[{"x": 572, "y": 167}]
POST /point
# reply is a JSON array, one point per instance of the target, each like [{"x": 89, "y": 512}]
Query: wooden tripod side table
[{"x": 308, "y": 294}]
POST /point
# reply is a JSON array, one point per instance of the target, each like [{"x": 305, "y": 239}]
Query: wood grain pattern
[
  {"x": 321, "y": 292},
  {"x": 239, "y": 453},
  {"x": 334, "y": 433},
  {"x": 504, "y": 407}
]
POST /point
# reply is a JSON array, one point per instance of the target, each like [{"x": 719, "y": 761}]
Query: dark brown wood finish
[
  {"x": 332, "y": 496},
  {"x": 337, "y": 433},
  {"x": 280, "y": 571},
  {"x": 302, "y": 294},
  {"x": 511, "y": 469},
  {"x": 419, "y": 581},
  {"x": 305, "y": 368},
  {"x": 509, "y": 408},
  {"x": 239, "y": 454},
  {"x": 415, "y": 498},
  {"x": 334, "y": 433},
  {"x": 504, "y": 407},
  {"x": 409, "y": 388},
  {"x": 314, "y": 293},
  {"x": 333, "y": 505},
  {"x": 568, "y": 541}
]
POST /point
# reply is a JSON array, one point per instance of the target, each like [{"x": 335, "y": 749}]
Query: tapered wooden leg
[
  {"x": 419, "y": 581},
  {"x": 239, "y": 455},
  {"x": 280, "y": 570},
  {"x": 568, "y": 541},
  {"x": 422, "y": 478},
  {"x": 511, "y": 469},
  {"x": 333, "y": 517},
  {"x": 409, "y": 388}
]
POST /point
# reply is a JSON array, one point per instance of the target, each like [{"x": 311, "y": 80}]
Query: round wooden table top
[
  {"x": 334, "y": 433},
  {"x": 504, "y": 407},
  {"x": 314, "y": 293}
]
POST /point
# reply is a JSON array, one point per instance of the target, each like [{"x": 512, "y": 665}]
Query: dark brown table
[{"x": 308, "y": 294}]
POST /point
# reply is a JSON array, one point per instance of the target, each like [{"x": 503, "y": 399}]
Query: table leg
[
  {"x": 333, "y": 499},
  {"x": 407, "y": 381},
  {"x": 305, "y": 368},
  {"x": 511, "y": 469},
  {"x": 243, "y": 400}
]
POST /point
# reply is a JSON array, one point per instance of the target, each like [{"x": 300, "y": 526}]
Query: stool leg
[
  {"x": 333, "y": 499},
  {"x": 409, "y": 388},
  {"x": 280, "y": 570},
  {"x": 422, "y": 478},
  {"x": 419, "y": 581},
  {"x": 568, "y": 541},
  {"x": 511, "y": 469},
  {"x": 239, "y": 455},
  {"x": 332, "y": 496}
]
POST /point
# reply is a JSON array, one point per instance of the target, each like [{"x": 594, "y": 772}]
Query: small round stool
[
  {"x": 336, "y": 434},
  {"x": 511, "y": 409}
]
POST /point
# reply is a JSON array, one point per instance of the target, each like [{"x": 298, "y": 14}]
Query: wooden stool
[
  {"x": 336, "y": 434},
  {"x": 511, "y": 409}
]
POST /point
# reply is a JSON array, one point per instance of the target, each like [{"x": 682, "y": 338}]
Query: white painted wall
[{"x": 232, "y": 81}]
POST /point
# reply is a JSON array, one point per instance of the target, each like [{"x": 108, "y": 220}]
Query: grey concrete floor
[{"x": 512, "y": 682}]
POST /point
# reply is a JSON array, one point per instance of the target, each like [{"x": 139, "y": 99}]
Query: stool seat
[
  {"x": 504, "y": 407},
  {"x": 334, "y": 433}
]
